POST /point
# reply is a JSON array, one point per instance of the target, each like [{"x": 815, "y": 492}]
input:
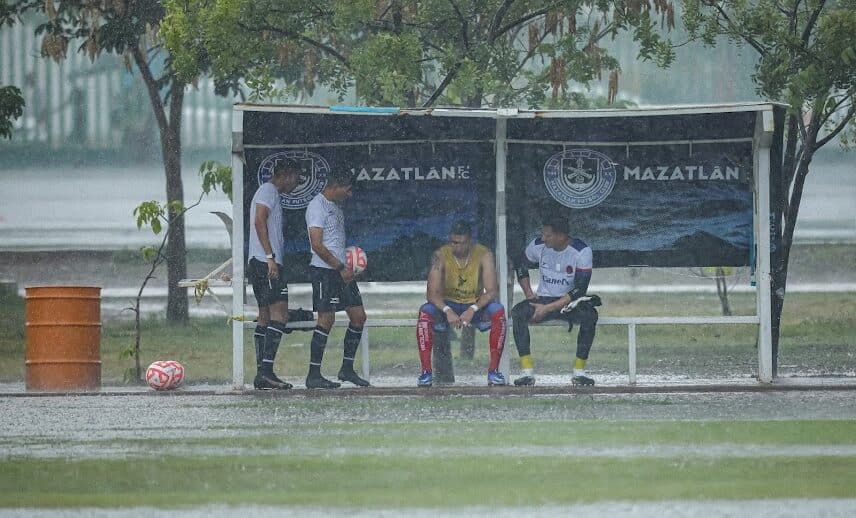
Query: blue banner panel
[
  {"x": 406, "y": 196},
  {"x": 656, "y": 204}
]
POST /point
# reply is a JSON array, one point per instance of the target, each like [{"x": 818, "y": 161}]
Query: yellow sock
[
  {"x": 526, "y": 361},
  {"x": 579, "y": 364}
]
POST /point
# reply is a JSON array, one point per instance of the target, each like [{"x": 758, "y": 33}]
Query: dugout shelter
[{"x": 679, "y": 186}]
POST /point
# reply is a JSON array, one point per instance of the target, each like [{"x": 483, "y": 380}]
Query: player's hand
[
  {"x": 454, "y": 319},
  {"x": 467, "y": 317},
  {"x": 541, "y": 311},
  {"x": 347, "y": 275},
  {"x": 273, "y": 269}
]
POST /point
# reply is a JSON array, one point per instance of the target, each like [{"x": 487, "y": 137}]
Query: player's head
[
  {"x": 339, "y": 186},
  {"x": 461, "y": 237},
  {"x": 286, "y": 175},
  {"x": 555, "y": 232}
]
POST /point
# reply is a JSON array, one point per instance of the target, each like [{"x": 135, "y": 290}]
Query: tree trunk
[
  {"x": 722, "y": 291},
  {"x": 780, "y": 275},
  {"x": 176, "y": 253},
  {"x": 169, "y": 127}
]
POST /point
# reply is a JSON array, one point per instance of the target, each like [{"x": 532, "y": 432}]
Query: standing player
[
  {"x": 333, "y": 285},
  {"x": 461, "y": 291},
  {"x": 565, "y": 265},
  {"x": 265, "y": 270}
]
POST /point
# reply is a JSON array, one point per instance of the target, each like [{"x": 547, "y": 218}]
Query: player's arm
[
  {"x": 582, "y": 275},
  {"x": 260, "y": 224},
  {"x": 434, "y": 288},
  {"x": 491, "y": 288},
  {"x": 527, "y": 261},
  {"x": 316, "y": 241},
  {"x": 489, "y": 285}
]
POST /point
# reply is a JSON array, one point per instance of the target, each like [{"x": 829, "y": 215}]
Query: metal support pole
[
  {"x": 764, "y": 128},
  {"x": 501, "y": 149},
  {"x": 237, "y": 250}
]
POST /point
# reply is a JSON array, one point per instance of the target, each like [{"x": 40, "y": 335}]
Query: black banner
[
  {"x": 406, "y": 196},
  {"x": 658, "y": 205},
  {"x": 671, "y": 189}
]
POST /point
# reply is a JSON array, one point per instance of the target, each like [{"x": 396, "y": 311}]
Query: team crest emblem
[
  {"x": 579, "y": 178},
  {"x": 313, "y": 176}
]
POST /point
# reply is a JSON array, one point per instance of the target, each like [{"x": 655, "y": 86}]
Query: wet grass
[
  {"x": 818, "y": 337},
  {"x": 458, "y": 436},
  {"x": 396, "y": 482},
  {"x": 394, "y": 453}
]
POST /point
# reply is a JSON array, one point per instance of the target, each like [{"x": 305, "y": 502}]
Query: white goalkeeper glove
[{"x": 572, "y": 304}]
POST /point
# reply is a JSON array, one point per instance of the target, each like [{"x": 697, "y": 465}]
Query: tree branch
[
  {"x": 809, "y": 26},
  {"x": 442, "y": 86},
  {"x": 526, "y": 18},
  {"x": 293, "y": 35},
  {"x": 838, "y": 128},
  {"x": 464, "y": 24},
  {"x": 734, "y": 27},
  {"x": 151, "y": 86},
  {"x": 497, "y": 19}
]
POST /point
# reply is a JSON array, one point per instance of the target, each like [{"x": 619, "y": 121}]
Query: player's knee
[
  {"x": 521, "y": 311},
  {"x": 358, "y": 320},
  {"x": 495, "y": 310},
  {"x": 279, "y": 311},
  {"x": 279, "y": 325},
  {"x": 326, "y": 321},
  {"x": 588, "y": 316}
]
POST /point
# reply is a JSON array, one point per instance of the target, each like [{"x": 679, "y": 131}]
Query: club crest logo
[
  {"x": 313, "y": 176},
  {"x": 579, "y": 178}
]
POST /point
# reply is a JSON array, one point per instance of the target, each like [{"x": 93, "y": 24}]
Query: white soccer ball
[
  {"x": 165, "y": 375},
  {"x": 356, "y": 259}
]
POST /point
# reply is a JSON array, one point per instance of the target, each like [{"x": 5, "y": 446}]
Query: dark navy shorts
[
  {"x": 330, "y": 293},
  {"x": 267, "y": 291}
]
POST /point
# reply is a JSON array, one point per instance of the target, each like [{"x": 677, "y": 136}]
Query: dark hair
[
  {"x": 284, "y": 166},
  {"x": 461, "y": 228},
  {"x": 557, "y": 223},
  {"x": 340, "y": 178}
]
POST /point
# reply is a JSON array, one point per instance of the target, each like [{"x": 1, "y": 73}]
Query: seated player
[
  {"x": 565, "y": 265},
  {"x": 462, "y": 289}
]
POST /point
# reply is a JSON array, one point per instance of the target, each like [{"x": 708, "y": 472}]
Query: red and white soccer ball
[
  {"x": 165, "y": 375},
  {"x": 356, "y": 259}
]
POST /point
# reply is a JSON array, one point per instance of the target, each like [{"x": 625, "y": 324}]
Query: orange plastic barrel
[{"x": 63, "y": 338}]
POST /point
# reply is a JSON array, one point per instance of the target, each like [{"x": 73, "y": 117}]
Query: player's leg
[
  {"x": 273, "y": 334},
  {"x": 429, "y": 318},
  {"x": 492, "y": 317},
  {"x": 520, "y": 314},
  {"x": 586, "y": 316},
  {"x": 267, "y": 293},
  {"x": 259, "y": 333},
  {"x": 324, "y": 301},
  {"x": 353, "y": 335}
]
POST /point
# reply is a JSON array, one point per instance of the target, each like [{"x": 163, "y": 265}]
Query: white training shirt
[
  {"x": 268, "y": 196},
  {"x": 559, "y": 267},
  {"x": 326, "y": 215}
]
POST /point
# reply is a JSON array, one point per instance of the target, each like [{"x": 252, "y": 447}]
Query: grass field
[{"x": 398, "y": 453}]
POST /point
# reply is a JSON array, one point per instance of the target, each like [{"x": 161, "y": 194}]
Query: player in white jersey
[
  {"x": 333, "y": 285},
  {"x": 265, "y": 270},
  {"x": 565, "y": 265}
]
